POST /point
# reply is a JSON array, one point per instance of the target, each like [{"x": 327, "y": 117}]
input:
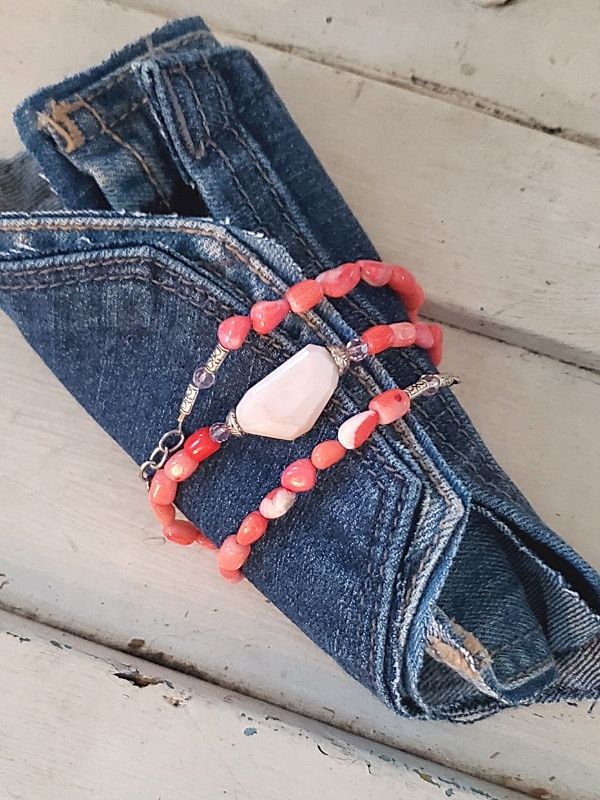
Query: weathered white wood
[
  {"x": 536, "y": 62},
  {"x": 78, "y": 724},
  {"x": 81, "y": 551},
  {"x": 498, "y": 221}
]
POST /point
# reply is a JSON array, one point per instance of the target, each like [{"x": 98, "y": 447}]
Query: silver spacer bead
[
  {"x": 233, "y": 426},
  {"x": 341, "y": 358},
  {"x": 428, "y": 385}
]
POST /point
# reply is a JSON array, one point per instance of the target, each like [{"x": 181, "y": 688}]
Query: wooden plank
[
  {"x": 498, "y": 221},
  {"x": 84, "y": 554},
  {"x": 81, "y": 551},
  {"x": 531, "y": 62},
  {"x": 81, "y": 724}
]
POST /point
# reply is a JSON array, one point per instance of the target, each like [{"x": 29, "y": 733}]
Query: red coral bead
[
  {"x": 378, "y": 338},
  {"x": 253, "y": 526},
  {"x": 232, "y": 554},
  {"x": 435, "y": 351},
  {"x": 164, "y": 514},
  {"x": 375, "y": 273},
  {"x": 180, "y": 466},
  {"x": 200, "y": 445},
  {"x": 231, "y": 575},
  {"x": 162, "y": 489},
  {"x": 402, "y": 281},
  {"x": 355, "y": 431},
  {"x": 341, "y": 280},
  {"x": 267, "y": 314},
  {"x": 299, "y": 476},
  {"x": 232, "y": 332},
  {"x": 413, "y": 300},
  {"x": 404, "y": 334},
  {"x": 181, "y": 532},
  {"x": 327, "y": 453},
  {"x": 424, "y": 336},
  {"x": 304, "y": 296},
  {"x": 390, "y": 405},
  {"x": 204, "y": 541}
]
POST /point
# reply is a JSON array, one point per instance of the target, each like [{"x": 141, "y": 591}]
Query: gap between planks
[
  {"x": 524, "y": 64},
  {"x": 81, "y": 723},
  {"x": 83, "y": 554}
]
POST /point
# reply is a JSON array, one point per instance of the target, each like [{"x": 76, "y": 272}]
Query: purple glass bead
[
  {"x": 202, "y": 378},
  {"x": 219, "y": 432},
  {"x": 357, "y": 350}
]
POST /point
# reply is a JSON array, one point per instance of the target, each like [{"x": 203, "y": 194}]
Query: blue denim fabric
[{"x": 415, "y": 563}]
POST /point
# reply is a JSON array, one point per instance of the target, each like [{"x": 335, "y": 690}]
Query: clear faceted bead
[
  {"x": 219, "y": 432},
  {"x": 357, "y": 350},
  {"x": 202, "y": 378}
]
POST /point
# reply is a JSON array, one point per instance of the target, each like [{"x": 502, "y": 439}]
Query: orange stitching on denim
[
  {"x": 124, "y": 71},
  {"x": 59, "y": 121},
  {"x": 126, "y": 146},
  {"x": 129, "y": 111}
]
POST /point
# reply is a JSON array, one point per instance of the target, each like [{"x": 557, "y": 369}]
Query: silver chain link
[{"x": 158, "y": 457}]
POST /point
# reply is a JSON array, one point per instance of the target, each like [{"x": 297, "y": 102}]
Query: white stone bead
[
  {"x": 288, "y": 401},
  {"x": 277, "y": 503}
]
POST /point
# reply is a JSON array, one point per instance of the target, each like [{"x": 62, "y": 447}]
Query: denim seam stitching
[
  {"x": 224, "y": 157},
  {"x": 127, "y": 146},
  {"x": 143, "y": 279},
  {"x": 265, "y": 176},
  {"x": 127, "y": 113},
  {"x": 123, "y": 71}
]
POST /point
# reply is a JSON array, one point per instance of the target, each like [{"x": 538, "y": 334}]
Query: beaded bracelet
[
  {"x": 310, "y": 377},
  {"x": 298, "y": 477}
]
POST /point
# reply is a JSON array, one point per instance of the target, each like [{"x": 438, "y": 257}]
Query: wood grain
[
  {"x": 137, "y": 732},
  {"x": 534, "y": 62},
  {"x": 500, "y": 222}
]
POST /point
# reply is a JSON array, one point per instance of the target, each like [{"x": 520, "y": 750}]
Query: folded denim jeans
[{"x": 177, "y": 190}]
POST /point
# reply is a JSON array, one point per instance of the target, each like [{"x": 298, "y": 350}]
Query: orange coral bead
[
  {"x": 435, "y": 351},
  {"x": 232, "y": 554},
  {"x": 180, "y": 466},
  {"x": 355, "y": 431},
  {"x": 299, "y": 476},
  {"x": 404, "y": 334},
  {"x": 402, "y": 281},
  {"x": 164, "y": 514},
  {"x": 413, "y": 300},
  {"x": 378, "y": 338},
  {"x": 304, "y": 296},
  {"x": 232, "y": 332},
  {"x": 267, "y": 314},
  {"x": 252, "y": 528},
  {"x": 375, "y": 273},
  {"x": 200, "y": 444},
  {"x": 341, "y": 280},
  {"x": 327, "y": 453},
  {"x": 424, "y": 336},
  {"x": 162, "y": 489},
  {"x": 390, "y": 405},
  {"x": 231, "y": 575},
  {"x": 181, "y": 532}
]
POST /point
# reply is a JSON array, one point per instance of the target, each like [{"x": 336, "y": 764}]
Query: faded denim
[{"x": 183, "y": 192}]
